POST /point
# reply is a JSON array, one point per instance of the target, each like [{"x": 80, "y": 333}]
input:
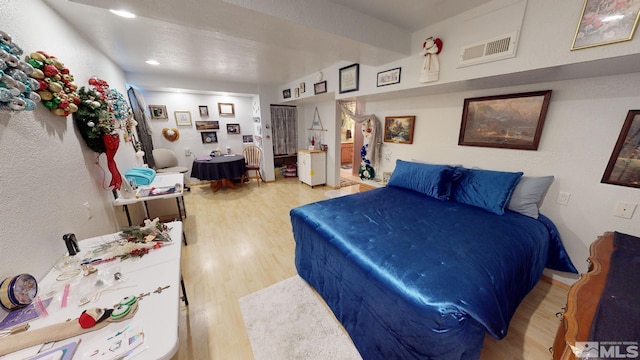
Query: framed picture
[
  {"x": 183, "y": 118},
  {"x": 207, "y": 125},
  {"x": 385, "y": 177},
  {"x": 204, "y": 110},
  {"x": 302, "y": 87},
  {"x": 504, "y": 121},
  {"x": 349, "y": 78},
  {"x": 233, "y": 128},
  {"x": 624, "y": 165},
  {"x": 226, "y": 109},
  {"x": 296, "y": 92},
  {"x": 209, "y": 137},
  {"x": 399, "y": 129},
  {"x": 320, "y": 88},
  {"x": 158, "y": 112},
  {"x": 247, "y": 138},
  {"x": 602, "y": 23},
  {"x": 389, "y": 77},
  {"x": 286, "y": 93}
]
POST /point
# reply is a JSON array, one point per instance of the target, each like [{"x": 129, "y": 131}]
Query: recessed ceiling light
[
  {"x": 152, "y": 62},
  {"x": 123, "y": 13}
]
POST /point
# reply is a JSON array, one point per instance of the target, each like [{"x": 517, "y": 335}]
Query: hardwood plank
[{"x": 240, "y": 241}]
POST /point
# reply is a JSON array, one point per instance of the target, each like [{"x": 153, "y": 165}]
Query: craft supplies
[{"x": 18, "y": 291}]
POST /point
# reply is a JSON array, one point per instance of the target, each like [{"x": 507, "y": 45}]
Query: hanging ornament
[
  {"x": 430, "y": 66},
  {"x": 112, "y": 142}
]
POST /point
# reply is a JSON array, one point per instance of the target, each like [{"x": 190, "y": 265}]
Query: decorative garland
[{"x": 17, "y": 89}]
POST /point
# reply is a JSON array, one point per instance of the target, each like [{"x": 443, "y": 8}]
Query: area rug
[
  {"x": 335, "y": 193},
  {"x": 289, "y": 321},
  {"x": 344, "y": 182}
]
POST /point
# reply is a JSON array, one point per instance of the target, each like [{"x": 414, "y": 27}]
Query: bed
[{"x": 424, "y": 267}]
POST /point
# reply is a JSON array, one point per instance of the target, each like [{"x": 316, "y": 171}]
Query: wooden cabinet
[
  {"x": 583, "y": 299},
  {"x": 346, "y": 153},
  {"x": 312, "y": 167}
]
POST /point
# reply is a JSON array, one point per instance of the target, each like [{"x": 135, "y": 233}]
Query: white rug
[
  {"x": 335, "y": 193},
  {"x": 288, "y": 321}
]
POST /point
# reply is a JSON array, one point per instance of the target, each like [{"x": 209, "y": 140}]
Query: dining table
[{"x": 220, "y": 170}]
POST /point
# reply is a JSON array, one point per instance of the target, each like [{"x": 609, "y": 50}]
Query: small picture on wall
[
  {"x": 247, "y": 138},
  {"x": 204, "y": 110},
  {"x": 158, "y": 112},
  {"x": 286, "y": 93},
  {"x": 209, "y": 137},
  {"x": 233, "y": 128},
  {"x": 399, "y": 129},
  {"x": 385, "y": 177},
  {"x": 208, "y": 125},
  {"x": 183, "y": 118}
]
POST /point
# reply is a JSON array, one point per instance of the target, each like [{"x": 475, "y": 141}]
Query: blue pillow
[
  {"x": 486, "y": 189},
  {"x": 431, "y": 180}
]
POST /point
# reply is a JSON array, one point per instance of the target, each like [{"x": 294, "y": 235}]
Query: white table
[
  {"x": 160, "y": 181},
  {"x": 158, "y": 313}
]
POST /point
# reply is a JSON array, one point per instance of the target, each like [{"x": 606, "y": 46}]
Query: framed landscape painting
[
  {"x": 512, "y": 121},
  {"x": 624, "y": 165},
  {"x": 399, "y": 129},
  {"x": 606, "y": 22}
]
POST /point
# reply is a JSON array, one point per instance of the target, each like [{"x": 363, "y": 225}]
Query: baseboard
[{"x": 554, "y": 282}]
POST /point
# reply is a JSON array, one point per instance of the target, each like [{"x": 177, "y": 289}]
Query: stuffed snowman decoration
[{"x": 430, "y": 66}]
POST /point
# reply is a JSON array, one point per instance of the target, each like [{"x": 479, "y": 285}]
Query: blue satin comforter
[{"x": 413, "y": 277}]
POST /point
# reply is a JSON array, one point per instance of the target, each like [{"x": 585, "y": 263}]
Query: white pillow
[{"x": 527, "y": 194}]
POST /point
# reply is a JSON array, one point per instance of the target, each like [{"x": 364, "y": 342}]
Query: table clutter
[{"x": 100, "y": 301}]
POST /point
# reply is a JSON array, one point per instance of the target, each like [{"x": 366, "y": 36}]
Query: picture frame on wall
[
  {"x": 388, "y": 77},
  {"x": 602, "y": 24},
  {"x": 624, "y": 164},
  {"x": 296, "y": 92},
  {"x": 233, "y": 128},
  {"x": 320, "y": 87},
  {"x": 209, "y": 137},
  {"x": 511, "y": 121},
  {"x": 399, "y": 129},
  {"x": 183, "y": 118},
  {"x": 207, "y": 125},
  {"x": 302, "y": 87},
  {"x": 204, "y": 110},
  {"x": 247, "y": 138},
  {"x": 226, "y": 109},
  {"x": 349, "y": 78},
  {"x": 286, "y": 93},
  {"x": 386, "y": 175},
  {"x": 158, "y": 112}
]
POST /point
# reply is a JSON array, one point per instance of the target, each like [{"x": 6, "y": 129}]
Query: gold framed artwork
[
  {"x": 226, "y": 109},
  {"x": 385, "y": 177},
  {"x": 511, "y": 121},
  {"x": 606, "y": 22},
  {"x": 399, "y": 129},
  {"x": 158, "y": 112},
  {"x": 183, "y": 118},
  {"x": 624, "y": 165},
  {"x": 204, "y": 110}
]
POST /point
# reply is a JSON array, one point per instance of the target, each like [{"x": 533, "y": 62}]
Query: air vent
[{"x": 501, "y": 47}]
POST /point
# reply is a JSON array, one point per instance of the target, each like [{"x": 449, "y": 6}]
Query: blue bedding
[{"x": 413, "y": 277}]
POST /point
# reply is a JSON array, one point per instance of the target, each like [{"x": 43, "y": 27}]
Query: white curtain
[
  {"x": 284, "y": 120},
  {"x": 376, "y": 132}
]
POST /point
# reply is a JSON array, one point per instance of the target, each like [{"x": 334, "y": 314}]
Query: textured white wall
[{"x": 47, "y": 172}]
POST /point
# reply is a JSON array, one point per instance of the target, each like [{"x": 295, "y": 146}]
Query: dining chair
[
  {"x": 253, "y": 160},
  {"x": 167, "y": 162}
]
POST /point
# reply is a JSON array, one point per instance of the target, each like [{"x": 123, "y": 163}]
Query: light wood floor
[{"x": 240, "y": 241}]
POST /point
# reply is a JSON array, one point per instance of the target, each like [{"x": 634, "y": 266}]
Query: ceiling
[{"x": 253, "y": 41}]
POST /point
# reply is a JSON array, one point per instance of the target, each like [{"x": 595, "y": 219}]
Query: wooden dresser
[{"x": 583, "y": 299}]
